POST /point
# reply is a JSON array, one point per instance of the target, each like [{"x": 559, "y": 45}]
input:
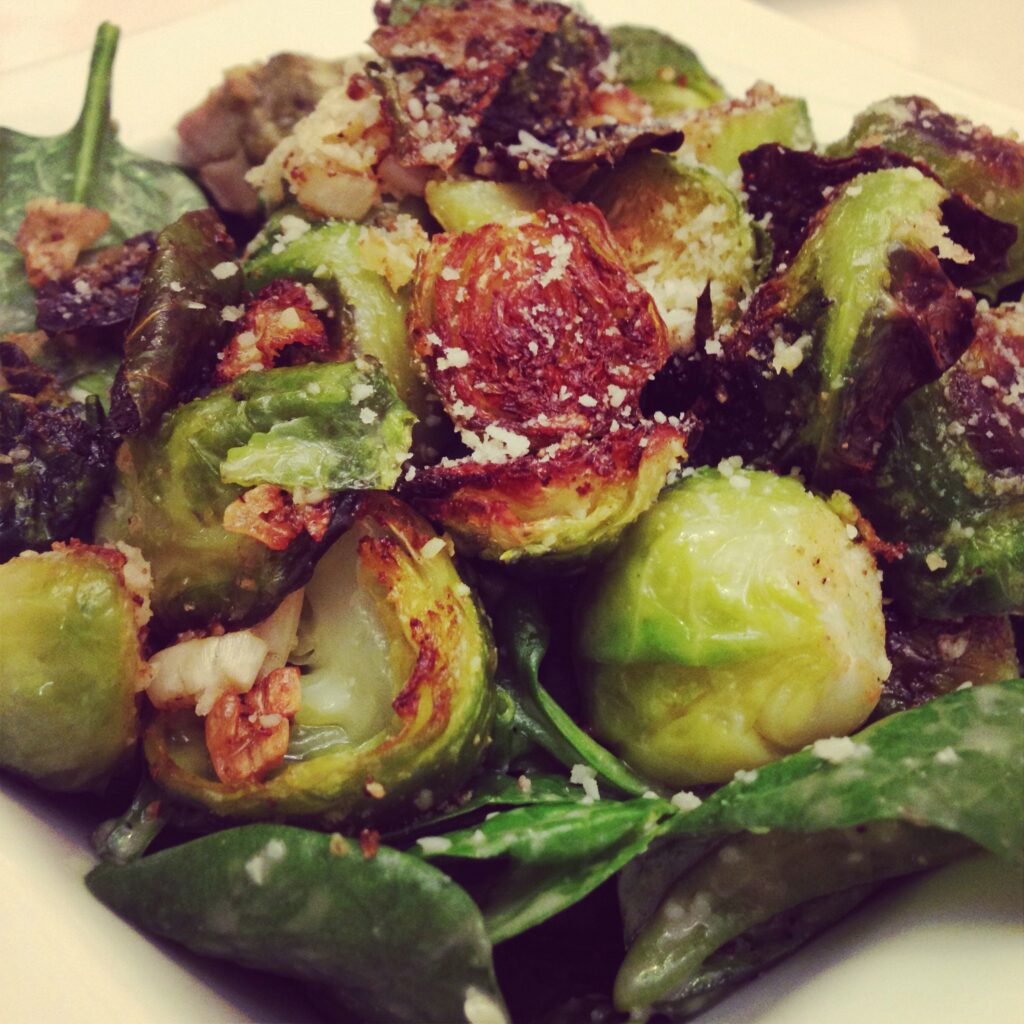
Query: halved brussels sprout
[
  {"x": 950, "y": 480},
  {"x": 717, "y": 135},
  {"x": 683, "y": 230},
  {"x": 563, "y": 506},
  {"x": 536, "y": 330},
  {"x": 311, "y": 430},
  {"x": 468, "y": 204},
  {"x": 971, "y": 159},
  {"x": 396, "y": 698},
  {"x": 863, "y": 314},
  {"x": 70, "y": 662},
  {"x": 369, "y": 313},
  {"x": 736, "y": 622},
  {"x": 666, "y": 73}
]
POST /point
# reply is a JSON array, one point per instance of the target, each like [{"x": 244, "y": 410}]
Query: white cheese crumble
[
  {"x": 837, "y": 749},
  {"x": 686, "y": 801}
]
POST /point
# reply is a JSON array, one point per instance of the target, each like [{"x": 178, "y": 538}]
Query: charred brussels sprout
[
  {"x": 534, "y": 331},
  {"x": 396, "y": 702},
  {"x": 985, "y": 167},
  {"x": 310, "y": 430},
  {"x": 56, "y": 463},
  {"x": 71, "y": 662},
  {"x": 694, "y": 673},
  {"x": 683, "y": 230},
  {"x": 950, "y": 481},
  {"x": 863, "y": 314},
  {"x": 668, "y": 74}
]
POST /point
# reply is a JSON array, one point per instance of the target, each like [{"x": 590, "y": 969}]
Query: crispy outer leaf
[
  {"x": 86, "y": 165},
  {"x": 178, "y": 327},
  {"x": 391, "y": 938}
]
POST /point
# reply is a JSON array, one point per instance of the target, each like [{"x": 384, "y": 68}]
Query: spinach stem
[{"x": 94, "y": 119}]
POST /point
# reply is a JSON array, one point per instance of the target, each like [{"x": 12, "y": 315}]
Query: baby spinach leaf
[
  {"x": 86, "y": 165},
  {"x": 524, "y": 636},
  {"x": 558, "y": 852},
  {"x": 953, "y": 763},
  {"x": 391, "y": 938}
]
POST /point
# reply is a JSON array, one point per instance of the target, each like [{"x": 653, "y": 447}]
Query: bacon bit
[
  {"x": 279, "y": 318},
  {"x": 879, "y": 548},
  {"x": 266, "y": 513},
  {"x": 247, "y": 734},
  {"x": 369, "y": 842},
  {"x": 53, "y": 234}
]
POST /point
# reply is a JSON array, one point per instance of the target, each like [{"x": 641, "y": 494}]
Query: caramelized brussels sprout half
[
  {"x": 717, "y": 135},
  {"x": 71, "y": 660},
  {"x": 396, "y": 697},
  {"x": 683, "y": 230},
  {"x": 369, "y": 314},
  {"x": 563, "y": 507},
  {"x": 693, "y": 673},
  {"x": 950, "y": 481},
  {"x": 534, "y": 331},
  {"x": 863, "y": 314},
  {"x": 666, "y": 73},
  {"x": 56, "y": 463},
  {"x": 311, "y": 430},
  {"x": 969, "y": 158}
]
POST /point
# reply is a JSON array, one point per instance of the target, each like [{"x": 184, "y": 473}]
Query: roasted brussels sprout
[
  {"x": 56, "y": 463},
  {"x": 395, "y": 704},
  {"x": 717, "y": 135},
  {"x": 566, "y": 506},
  {"x": 369, "y": 314},
  {"x": 683, "y": 230},
  {"x": 987, "y": 168},
  {"x": 950, "y": 480},
  {"x": 830, "y": 344},
  {"x": 467, "y": 204},
  {"x": 668, "y": 74},
  {"x": 532, "y": 332},
  {"x": 180, "y": 495},
  {"x": 72, "y": 662},
  {"x": 934, "y": 657},
  {"x": 694, "y": 674}
]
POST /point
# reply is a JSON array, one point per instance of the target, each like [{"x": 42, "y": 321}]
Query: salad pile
[{"x": 509, "y": 496}]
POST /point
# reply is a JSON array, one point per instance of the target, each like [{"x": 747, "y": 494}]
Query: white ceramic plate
[{"x": 946, "y": 949}]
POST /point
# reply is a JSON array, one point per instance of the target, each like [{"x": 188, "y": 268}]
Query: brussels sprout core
[{"x": 736, "y": 622}]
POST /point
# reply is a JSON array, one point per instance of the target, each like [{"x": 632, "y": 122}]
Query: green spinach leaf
[
  {"x": 390, "y": 937},
  {"x": 86, "y": 165}
]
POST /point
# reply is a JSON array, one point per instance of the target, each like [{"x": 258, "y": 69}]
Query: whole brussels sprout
[
  {"x": 736, "y": 622},
  {"x": 70, "y": 662},
  {"x": 396, "y": 700},
  {"x": 321, "y": 428}
]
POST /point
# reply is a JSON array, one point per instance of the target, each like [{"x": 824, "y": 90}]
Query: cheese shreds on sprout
[
  {"x": 480, "y": 1008},
  {"x": 585, "y": 776},
  {"x": 259, "y": 865},
  {"x": 434, "y": 844}
]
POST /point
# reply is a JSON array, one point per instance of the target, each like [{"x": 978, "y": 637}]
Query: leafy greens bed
[{"x": 587, "y": 513}]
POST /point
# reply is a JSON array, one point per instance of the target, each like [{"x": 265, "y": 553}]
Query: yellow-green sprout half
[
  {"x": 736, "y": 622},
  {"x": 396, "y": 701}
]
